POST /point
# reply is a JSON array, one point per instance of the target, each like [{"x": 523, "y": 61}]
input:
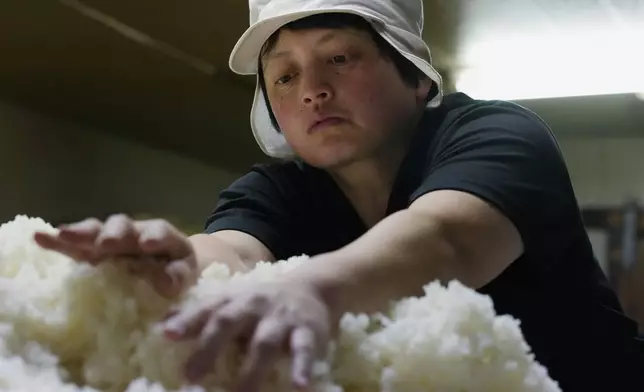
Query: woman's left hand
[{"x": 278, "y": 318}]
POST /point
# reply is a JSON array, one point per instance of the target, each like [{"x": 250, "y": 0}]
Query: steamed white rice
[{"x": 71, "y": 327}]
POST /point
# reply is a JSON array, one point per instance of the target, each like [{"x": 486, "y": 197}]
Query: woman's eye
[
  {"x": 284, "y": 79},
  {"x": 339, "y": 59}
]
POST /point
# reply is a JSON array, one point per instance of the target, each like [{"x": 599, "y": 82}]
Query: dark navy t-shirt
[{"x": 507, "y": 156}]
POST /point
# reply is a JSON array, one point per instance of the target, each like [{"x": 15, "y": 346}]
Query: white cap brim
[{"x": 244, "y": 56}]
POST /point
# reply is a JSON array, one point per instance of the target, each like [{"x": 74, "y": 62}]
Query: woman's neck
[{"x": 368, "y": 183}]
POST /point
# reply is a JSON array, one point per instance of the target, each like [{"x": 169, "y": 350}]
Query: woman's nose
[
  {"x": 316, "y": 97},
  {"x": 316, "y": 90}
]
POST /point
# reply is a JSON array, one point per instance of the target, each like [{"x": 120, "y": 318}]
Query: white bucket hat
[{"x": 399, "y": 22}]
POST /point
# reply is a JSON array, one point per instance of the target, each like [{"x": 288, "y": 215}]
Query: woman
[{"x": 388, "y": 185}]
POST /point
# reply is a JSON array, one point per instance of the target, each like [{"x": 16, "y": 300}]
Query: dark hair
[{"x": 407, "y": 70}]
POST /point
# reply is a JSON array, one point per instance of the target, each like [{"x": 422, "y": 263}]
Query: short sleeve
[
  {"x": 507, "y": 156},
  {"x": 258, "y": 205}
]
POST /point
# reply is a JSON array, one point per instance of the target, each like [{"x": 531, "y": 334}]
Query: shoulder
[
  {"x": 491, "y": 121},
  {"x": 497, "y": 138},
  {"x": 503, "y": 154},
  {"x": 479, "y": 135}
]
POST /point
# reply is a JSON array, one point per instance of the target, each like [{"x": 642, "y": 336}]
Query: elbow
[
  {"x": 480, "y": 240},
  {"x": 472, "y": 253},
  {"x": 447, "y": 246},
  {"x": 480, "y": 256},
  {"x": 435, "y": 250}
]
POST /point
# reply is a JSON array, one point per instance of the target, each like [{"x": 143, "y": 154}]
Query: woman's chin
[{"x": 331, "y": 158}]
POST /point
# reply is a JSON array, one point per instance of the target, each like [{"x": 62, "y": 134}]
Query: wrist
[{"x": 317, "y": 276}]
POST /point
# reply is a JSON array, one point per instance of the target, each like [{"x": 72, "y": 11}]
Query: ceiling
[{"x": 156, "y": 71}]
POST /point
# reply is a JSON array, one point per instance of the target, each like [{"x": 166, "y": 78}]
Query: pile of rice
[{"x": 71, "y": 327}]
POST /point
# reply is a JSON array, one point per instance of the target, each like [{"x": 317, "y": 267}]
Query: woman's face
[{"x": 336, "y": 99}]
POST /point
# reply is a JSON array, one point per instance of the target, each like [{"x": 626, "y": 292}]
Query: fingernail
[
  {"x": 173, "y": 335},
  {"x": 150, "y": 243},
  {"x": 173, "y": 328}
]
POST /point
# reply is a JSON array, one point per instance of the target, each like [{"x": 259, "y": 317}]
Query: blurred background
[{"x": 128, "y": 106}]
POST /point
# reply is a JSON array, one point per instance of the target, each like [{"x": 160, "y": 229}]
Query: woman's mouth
[{"x": 325, "y": 122}]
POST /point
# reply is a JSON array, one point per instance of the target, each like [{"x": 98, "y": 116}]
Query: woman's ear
[{"x": 423, "y": 89}]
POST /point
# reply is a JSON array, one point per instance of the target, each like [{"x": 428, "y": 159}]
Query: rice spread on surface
[{"x": 67, "y": 326}]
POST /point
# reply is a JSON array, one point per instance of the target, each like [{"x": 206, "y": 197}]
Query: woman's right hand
[{"x": 155, "y": 249}]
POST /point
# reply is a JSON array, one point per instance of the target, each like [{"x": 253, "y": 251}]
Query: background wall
[
  {"x": 63, "y": 171},
  {"x": 606, "y": 171}
]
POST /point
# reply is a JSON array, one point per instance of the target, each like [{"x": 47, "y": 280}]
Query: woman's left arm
[{"x": 443, "y": 235}]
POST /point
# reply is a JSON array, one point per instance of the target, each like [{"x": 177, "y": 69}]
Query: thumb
[{"x": 174, "y": 278}]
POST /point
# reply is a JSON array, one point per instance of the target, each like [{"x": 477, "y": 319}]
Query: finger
[
  {"x": 118, "y": 236},
  {"x": 265, "y": 349},
  {"x": 188, "y": 323},
  {"x": 222, "y": 327},
  {"x": 160, "y": 237},
  {"x": 169, "y": 279},
  {"x": 303, "y": 344},
  {"x": 78, "y": 240},
  {"x": 183, "y": 273},
  {"x": 72, "y": 250},
  {"x": 167, "y": 285},
  {"x": 84, "y": 231},
  {"x": 48, "y": 241}
]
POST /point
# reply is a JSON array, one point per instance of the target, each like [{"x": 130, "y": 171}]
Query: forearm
[
  {"x": 211, "y": 249},
  {"x": 394, "y": 259}
]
